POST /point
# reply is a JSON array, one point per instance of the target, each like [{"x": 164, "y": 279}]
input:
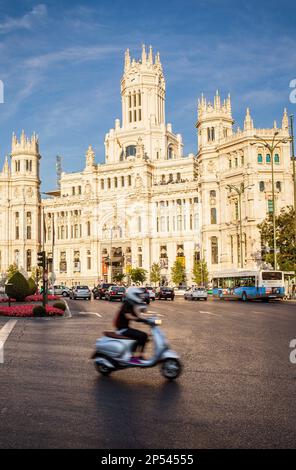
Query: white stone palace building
[{"x": 147, "y": 203}]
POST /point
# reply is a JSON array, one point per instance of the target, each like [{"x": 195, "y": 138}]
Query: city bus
[{"x": 249, "y": 285}]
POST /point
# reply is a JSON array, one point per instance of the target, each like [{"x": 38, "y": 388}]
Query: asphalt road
[{"x": 237, "y": 388}]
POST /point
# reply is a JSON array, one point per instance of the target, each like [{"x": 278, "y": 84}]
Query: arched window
[
  {"x": 212, "y": 193},
  {"x": 88, "y": 228},
  {"x": 209, "y": 134},
  {"x": 278, "y": 186},
  {"x": 277, "y": 158},
  {"x": 267, "y": 158},
  {"x": 261, "y": 186},
  {"x": 109, "y": 183},
  {"x": 115, "y": 182},
  {"x": 139, "y": 224},
  {"x": 259, "y": 158},
  {"x": 213, "y": 134},
  {"x": 213, "y": 215},
  {"x": 129, "y": 180},
  {"x": 170, "y": 152},
  {"x": 130, "y": 151},
  {"x": 102, "y": 184},
  {"x": 214, "y": 250}
]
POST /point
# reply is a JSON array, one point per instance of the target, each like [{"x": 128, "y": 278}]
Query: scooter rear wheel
[{"x": 171, "y": 368}]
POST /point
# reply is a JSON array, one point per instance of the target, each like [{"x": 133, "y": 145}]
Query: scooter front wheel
[
  {"x": 171, "y": 368},
  {"x": 103, "y": 370}
]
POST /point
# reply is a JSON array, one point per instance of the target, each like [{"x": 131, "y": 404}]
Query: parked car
[
  {"x": 115, "y": 293},
  {"x": 80, "y": 292},
  {"x": 100, "y": 290},
  {"x": 60, "y": 290},
  {"x": 151, "y": 291},
  {"x": 165, "y": 293},
  {"x": 196, "y": 293}
]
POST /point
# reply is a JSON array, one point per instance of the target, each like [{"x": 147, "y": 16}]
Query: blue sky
[{"x": 61, "y": 64}]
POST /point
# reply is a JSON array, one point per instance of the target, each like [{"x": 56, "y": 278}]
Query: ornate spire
[
  {"x": 228, "y": 103},
  {"x": 150, "y": 57},
  {"x": 285, "y": 121},
  {"x": 90, "y": 157},
  {"x": 248, "y": 124},
  {"x": 6, "y": 169},
  {"x": 144, "y": 55},
  {"x": 217, "y": 101},
  {"x": 127, "y": 60}
]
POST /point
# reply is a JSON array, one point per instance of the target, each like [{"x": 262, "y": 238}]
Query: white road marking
[
  {"x": 7, "y": 329},
  {"x": 209, "y": 313},
  {"x": 4, "y": 333},
  {"x": 91, "y": 313}
]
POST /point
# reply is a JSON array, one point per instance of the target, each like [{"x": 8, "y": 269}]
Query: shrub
[
  {"x": 32, "y": 286},
  {"x": 60, "y": 305},
  {"x": 39, "y": 311},
  {"x": 19, "y": 288}
]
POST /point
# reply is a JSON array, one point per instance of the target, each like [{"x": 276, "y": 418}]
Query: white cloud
[
  {"x": 26, "y": 21},
  {"x": 76, "y": 54}
]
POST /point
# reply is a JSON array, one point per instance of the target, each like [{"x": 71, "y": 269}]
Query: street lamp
[
  {"x": 240, "y": 190},
  {"x": 271, "y": 147}
]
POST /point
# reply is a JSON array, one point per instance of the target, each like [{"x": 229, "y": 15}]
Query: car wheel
[
  {"x": 64, "y": 294},
  {"x": 244, "y": 297}
]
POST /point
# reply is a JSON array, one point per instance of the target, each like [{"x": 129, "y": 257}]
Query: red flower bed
[
  {"x": 39, "y": 298},
  {"x": 27, "y": 311}
]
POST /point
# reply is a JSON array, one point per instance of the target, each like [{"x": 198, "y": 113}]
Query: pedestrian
[{"x": 293, "y": 291}]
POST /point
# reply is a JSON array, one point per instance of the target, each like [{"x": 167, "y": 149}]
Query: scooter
[{"x": 115, "y": 351}]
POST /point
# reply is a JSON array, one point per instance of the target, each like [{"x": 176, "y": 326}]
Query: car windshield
[{"x": 82, "y": 288}]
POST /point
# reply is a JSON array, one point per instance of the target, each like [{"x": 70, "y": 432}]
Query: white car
[
  {"x": 151, "y": 291},
  {"x": 196, "y": 293}
]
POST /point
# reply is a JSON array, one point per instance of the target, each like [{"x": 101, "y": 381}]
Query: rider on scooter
[{"x": 132, "y": 306}]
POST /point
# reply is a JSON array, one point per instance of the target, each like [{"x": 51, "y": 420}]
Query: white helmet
[{"x": 135, "y": 295}]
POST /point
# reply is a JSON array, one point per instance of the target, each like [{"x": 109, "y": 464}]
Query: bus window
[{"x": 272, "y": 276}]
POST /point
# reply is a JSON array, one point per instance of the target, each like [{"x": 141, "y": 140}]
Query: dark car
[
  {"x": 165, "y": 293},
  {"x": 115, "y": 293},
  {"x": 100, "y": 290}
]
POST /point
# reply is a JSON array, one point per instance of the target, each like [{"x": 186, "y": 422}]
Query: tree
[
  {"x": 32, "y": 286},
  {"x": 138, "y": 275},
  {"x": 12, "y": 269},
  {"x": 19, "y": 287},
  {"x": 155, "y": 275},
  {"x": 118, "y": 277},
  {"x": 200, "y": 273},
  {"x": 36, "y": 273},
  {"x": 285, "y": 239},
  {"x": 178, "y": 272}
]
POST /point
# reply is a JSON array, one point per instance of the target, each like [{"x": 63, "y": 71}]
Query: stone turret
[
  {"x": 25, "y": 145},
  {"x": 214, "y": 120}
]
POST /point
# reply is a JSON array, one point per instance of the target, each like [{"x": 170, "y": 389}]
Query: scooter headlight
[{"x": 158, "y": 321}]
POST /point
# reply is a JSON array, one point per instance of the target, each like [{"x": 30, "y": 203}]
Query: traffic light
[{"x": 41, "y": 261}]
